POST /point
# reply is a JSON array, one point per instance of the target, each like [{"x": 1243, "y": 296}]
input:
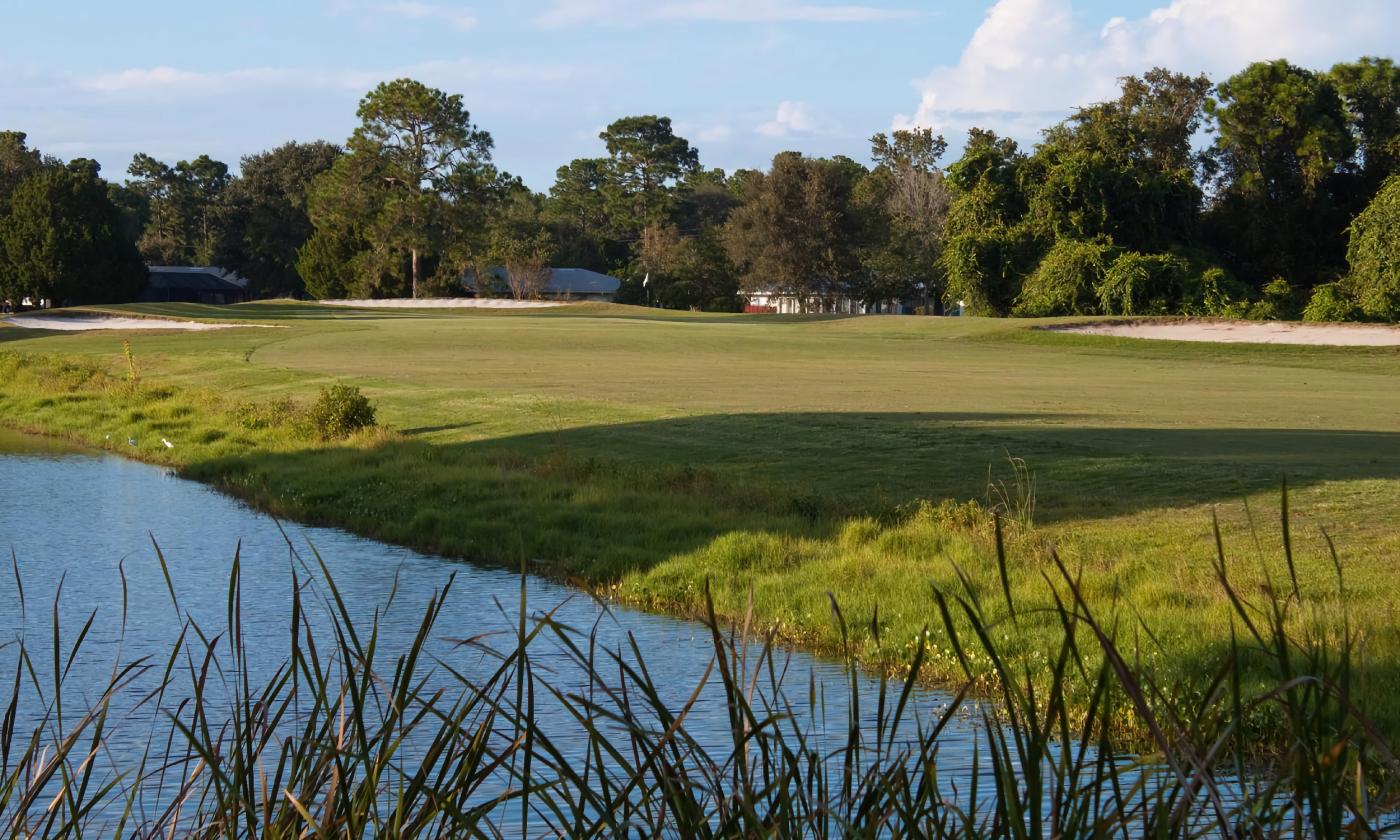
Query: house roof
[
  {"x": 202, "y": 278},
  {"x": 568, "y": 281},
  {"x": 580, "y": 281}
]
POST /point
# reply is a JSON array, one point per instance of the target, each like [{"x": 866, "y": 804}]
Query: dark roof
[
  {"x": 204, "y": 278},
  {"x": 580, "y": 281},
  {"x": 568, "y": 281}
]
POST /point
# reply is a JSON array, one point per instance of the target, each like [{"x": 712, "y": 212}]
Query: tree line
[{"x": 1273, "y": 194}]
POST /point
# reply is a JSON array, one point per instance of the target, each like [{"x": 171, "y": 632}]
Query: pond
[{"x": 83, "y": 529}]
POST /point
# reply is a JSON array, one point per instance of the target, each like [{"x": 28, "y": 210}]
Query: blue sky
[{"x": 742, "y": 79}]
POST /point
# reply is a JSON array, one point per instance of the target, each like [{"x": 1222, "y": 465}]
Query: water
[{"x": 83, "y": 528}]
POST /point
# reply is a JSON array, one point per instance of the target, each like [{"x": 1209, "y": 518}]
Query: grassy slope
[{"x": 657, "y": 450}]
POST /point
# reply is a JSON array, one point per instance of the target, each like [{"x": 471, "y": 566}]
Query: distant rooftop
[
  {"x": 202, "y": 278},
  {"x": 580, "y": 281},
  {"x": 569, "y": 281}
]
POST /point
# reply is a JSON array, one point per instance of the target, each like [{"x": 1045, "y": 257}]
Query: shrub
[
  {"x": 1277, "y": 302},
  {"x": 1065, "y": 280},
  {"x": 253, "y": 415},
  {"x": 340, "y": 411},
  {"x": 1144, "y": 284},
  {"x": 985, "y": 268},
  {"x": 1374, "y": 254},
  {"x": 1217, "y": 294},
  {"x": 1331, "y": 302}
]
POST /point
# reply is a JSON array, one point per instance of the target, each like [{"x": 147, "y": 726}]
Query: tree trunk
[{"x": 417, "y": 270}]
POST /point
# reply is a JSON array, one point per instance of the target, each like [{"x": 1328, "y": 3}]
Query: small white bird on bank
[
  {"x": 168, "y": 444},
  {"x": 131, "y": 441}
]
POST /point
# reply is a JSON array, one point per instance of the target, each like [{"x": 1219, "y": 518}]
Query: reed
[{"x": 346, "y": 738}]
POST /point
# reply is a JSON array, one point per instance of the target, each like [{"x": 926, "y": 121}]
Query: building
[
  {"x": 563, "y": 284},
  {"x": 194, "y": 284},
  {"x": 580, "y": 284},
  {"x": 784, "y": 303}
]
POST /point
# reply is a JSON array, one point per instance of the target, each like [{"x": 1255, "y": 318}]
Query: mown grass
[{"x": 645, "y": 452}]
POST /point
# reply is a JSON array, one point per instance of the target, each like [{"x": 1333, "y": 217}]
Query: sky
[{"x": 741, "y": 79}]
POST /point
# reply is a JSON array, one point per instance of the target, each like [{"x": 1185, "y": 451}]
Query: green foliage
[
  {"x": 409, "y": 198},
  {"x": 1283, "y": 141},
  {"x": 1215, "y": 293},
  {"x": 1278, "y": 301},
  {"x": 1144, "y": 284},
  {"x": 1124, "y": 168},
  {"x": 182, "y": 207},
  {"x": 1332, "y": 302},
  {"x": 264, "y": 220},
  {"x": 1374, "y": 255},
  {"x": 339, "y": 411},
  {"x": 62, "y": 240},
  {"x": 258, "y": 415},
  {"x": 405, "y": 741},
  {"x": 797, "y": 231},
  {"x": 1066, "y": 280},
  {"x": 1370, "y": 87},
  {"x": 986, "y": 268}
]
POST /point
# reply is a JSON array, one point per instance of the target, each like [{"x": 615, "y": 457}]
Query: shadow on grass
[{"x": 599, "y": 501}]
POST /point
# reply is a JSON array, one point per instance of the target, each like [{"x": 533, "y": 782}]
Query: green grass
[{"x": 647, "y": 452}]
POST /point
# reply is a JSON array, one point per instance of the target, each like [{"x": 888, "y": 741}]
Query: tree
[
  {"x": 200, "y": 183},
  {"x": 1370, "y": 88},
  {"x": 520, "y": 244},
  {"x": 645, "y": 161},
  {"x": 1282, "y": 148},
  {"x": 17, "y": 161},
  {"x": 577, "y": 213},
  {"x": 411, "y": 194},
  {"x": 1124, "y": 169},
  {"x": 1373, "y": 252},
  {"x": 156, "y": 187},
  {"x": 906, "y": 199},
  {"x": 988, "y": 250},
  {"x": 180, "y": 205},
  {"x": 797, "y": 231},
  {"x": 62, "y": 240},
  {"x": 265, "y": 219}
]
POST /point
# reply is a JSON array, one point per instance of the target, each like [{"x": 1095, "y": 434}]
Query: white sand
[
  {"x": 1246, "y": 332},
  {"x": 444, "y": 303},
  {"x": 103, "y": 322}
]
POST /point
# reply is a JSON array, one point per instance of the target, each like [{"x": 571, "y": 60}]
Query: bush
[
  {"x": 340, "y": 411},
  {"x": 1331, "y": 302},
  {"x": 1144, "y": 284},
  {"x": 985, "y": 268},
  {"x": 1277, "y": 302},
  {"x": 1374, "y": 254},
  {"x": 1217, "y": 294},
  {"x": 265, "y": 415},
  {"x": 1065, "y": 280}
]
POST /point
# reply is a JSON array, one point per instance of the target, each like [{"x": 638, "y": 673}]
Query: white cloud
[
  {"x": 1032, "y": 61},
  {"x": 791, "y": 118},
  {"x": 166, "y": 83},
  {"x": 715, "y": 134},
  {"x": 635, "y": 12},
  {"x": 457, "y": 18}
]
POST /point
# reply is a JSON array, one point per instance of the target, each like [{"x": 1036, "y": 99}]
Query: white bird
[
  {"x": 168, "y": 444},
  {"x": 131, "y": 441}
]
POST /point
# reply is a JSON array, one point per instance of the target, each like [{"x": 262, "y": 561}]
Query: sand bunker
[
  {"x": 103, "y": 322},
  {"x": 444, "y": 303},
  {"x": 1245, "y": 332}
]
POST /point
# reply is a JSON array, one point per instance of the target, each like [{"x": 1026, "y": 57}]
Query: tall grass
[{"x": 344, "y": 738}]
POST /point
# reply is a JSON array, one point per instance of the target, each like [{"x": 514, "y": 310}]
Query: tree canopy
[{"x": 61, "y": 240}]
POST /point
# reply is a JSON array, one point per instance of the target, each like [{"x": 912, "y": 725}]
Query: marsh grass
[{"x": 345, "y": 737}]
